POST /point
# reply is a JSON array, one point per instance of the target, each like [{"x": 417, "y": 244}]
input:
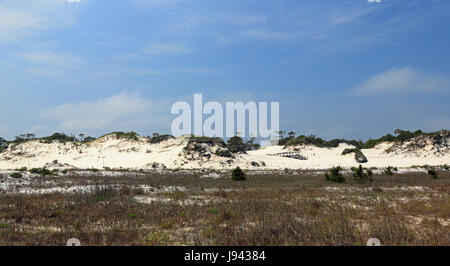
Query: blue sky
[{"x": 345, "y": 68}]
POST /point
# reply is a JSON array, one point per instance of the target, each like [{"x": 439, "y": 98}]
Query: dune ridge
[{"x": 115, "y": 152}]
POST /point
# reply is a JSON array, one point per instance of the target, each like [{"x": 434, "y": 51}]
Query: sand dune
[{"x": 114, "y": 152}]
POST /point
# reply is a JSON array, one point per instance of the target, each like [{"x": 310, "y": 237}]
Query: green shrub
[
  {"x": 129, "y": 135},
  {"x": 224, "y": 153},
  {"x": 446, "y": 167},
  {"x": 45, "y": 171},
  {"x": 433, "y": 173},
  {"x": 236, "y": 145},
  {"x": 359, "y": 156},
  {"x": 23, "y": 169},
  {"x": 400, "y": 135},
  {"x": 360, "y": 176},
  {"x": 16, "y": 175},
  {"x": 35, "y": 170},
  {"x": 319, "y": 142},
  {"x": 4, "y": 225},
  {"x": 335, "y": 175},
  {"x": 41, "y": 171},
  {"x": 214, "y": 211},
  {"x": 60, "y": 137},
  {"x": 390, "y": 170},
  {"x": 238, "y": 175},
  {"x": 160, "y": 138}
]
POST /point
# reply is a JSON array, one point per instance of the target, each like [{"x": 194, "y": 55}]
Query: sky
[{"x": 347, "y": 68}]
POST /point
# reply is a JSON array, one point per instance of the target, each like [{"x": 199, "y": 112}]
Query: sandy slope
[
  {"x": 113, "y": 152},
  {"x": 323, "y": 158}
]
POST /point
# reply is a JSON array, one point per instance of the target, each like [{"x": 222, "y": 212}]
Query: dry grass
[{"x": 273, "y": 209}]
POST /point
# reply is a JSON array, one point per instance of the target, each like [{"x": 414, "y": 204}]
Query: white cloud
[
  {"x": 51, "y": 64},
  {"x": 123, "y": 111},
  {"x": 158, "y": 3},
  {"x": 45, "y": 71},
  {"x": 15, "y": 23},
  {"x": 202, "y": 70},
  {"x": 403, "y": 80},
  {"x": 20, "y": 19},
  {"x": 268, "y": 35},
  {"x": 155, "y": 49},
  {"x": 53, "y": 59},
  {"x": 165, "y": 48}
]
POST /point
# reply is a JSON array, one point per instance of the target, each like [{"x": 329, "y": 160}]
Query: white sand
[{"x": 116, "y": 153}]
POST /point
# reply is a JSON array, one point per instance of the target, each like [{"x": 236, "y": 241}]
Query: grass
[{"x": 299, "y": 208}]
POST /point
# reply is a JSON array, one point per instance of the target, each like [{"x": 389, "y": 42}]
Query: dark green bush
[
  {"x": 42, "y": 171},
  {"x": 362, "y": 175},
  {"x": 238, "y": 175},
  {"x": 129, "y": 135},
  {"x": 160, "y": 138},
  {"x": 335, "y": 175},
  {"x": 45, "y": 171},
  {"x": 35, "y": 170},
  {"x": 433, "y": 173},
  {"x": 236, "y": 145},
  {"x": 224, "y": 153},
  {"x": 16, "y": 175},
  {"x": 390, "y": 170},
  {"x": 400, "y": 135},
  {"x": 60, "y": 137},
  {"x": 446, "y": 167}
]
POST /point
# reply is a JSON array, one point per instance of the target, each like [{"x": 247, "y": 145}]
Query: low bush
[
  {"x": 433, "y": 173},
  {"x": 390, "y": 170},
  {"x": 362, "y": 175},
  {"x": 16, "y": 175},
  {"x": 335, "y": 175},
  {"x": 238, "y": 175},
  {"x": 60, "y": 137},
  {"x": 224, "y": 153},
  {"x": 41, "y": 171},
  {"x": 129, "y": 135},
  {"x": 236, "y": 145},
  {"x": 160, "y": 138}
]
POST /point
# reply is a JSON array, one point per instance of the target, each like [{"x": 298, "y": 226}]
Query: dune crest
[{"x": 115, "y": 152}]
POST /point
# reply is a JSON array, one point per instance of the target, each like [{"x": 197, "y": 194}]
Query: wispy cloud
[
  {"x": 165, "y": 48},
  {"x": 51, "y": 64},
  {"x": 121, "y": 111},
  {"x": 17, "y": 23},
  {"x": 155, "y": 49},
  {"x": 268, "y": 35},
  {"x": 158, "y": 3},
  {"x": 53, "y": 59},
  {"x": 203, "y": 70},
  {"x": 20, "y": 19},
  {"x": 403, "y": 80}
]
